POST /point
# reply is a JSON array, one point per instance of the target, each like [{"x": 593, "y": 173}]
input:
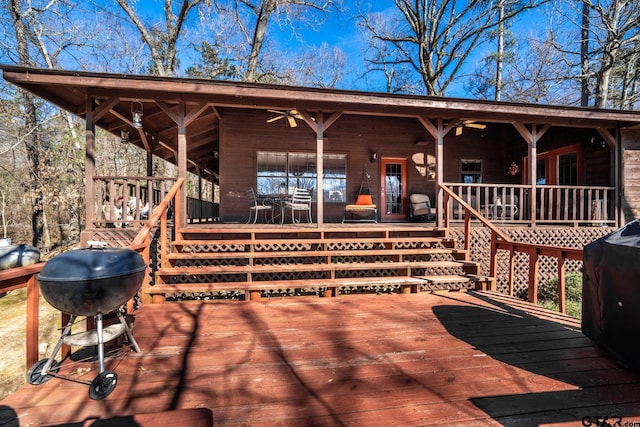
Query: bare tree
[
  {"x": 320, "y": 67},
  {"x": 615, "y": 33},
  {"x": 434, "y": 38},
  {"x": 32, "y": 139},
  {"x": 162, "y": 41},
  {"x": 253, "y": 18}
]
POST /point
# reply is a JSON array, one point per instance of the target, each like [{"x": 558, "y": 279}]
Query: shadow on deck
[{"x": 475, "y": 358}]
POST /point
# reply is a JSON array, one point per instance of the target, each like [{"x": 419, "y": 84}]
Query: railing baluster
[
  {"x": 562, "y": 297},
  {"x": 532, "y": 293}
]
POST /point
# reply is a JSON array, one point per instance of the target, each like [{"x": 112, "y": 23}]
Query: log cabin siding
[
  {"x": 244, "y": 132},
  {"x": 630, "y": 188}
]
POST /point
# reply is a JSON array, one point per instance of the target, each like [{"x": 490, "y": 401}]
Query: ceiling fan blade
[
  {"x": 476, "y": 125},
  {"x": 292, "y": 121},
  {"x": 458, "y": 130},
  {"x": 274, "y": 119},
  {"x": 282, "y": 113}
]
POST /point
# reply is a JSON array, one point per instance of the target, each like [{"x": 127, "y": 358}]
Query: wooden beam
[
  {"x": 608, "y": 137},
  {"x": 309, "y": 120},
  {"x": 332, "y": 119},
  {"x": 532, "y": 137},
  {"x": 104, "y": 108},
  {"x": 182, "y": 162},
  {"x": 169, "y": 112},
  {"x": 194, "y": 114},
  {"x": 429, "y": 126},
  {"x": 320, "y": 126}
]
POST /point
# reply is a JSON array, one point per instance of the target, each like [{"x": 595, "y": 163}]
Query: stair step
[
  {"x": 330, "y": 286},
  {"x": 455, "y": 253},
  {"x": 279, "y": 268},
  {"x": 307, "y": 241},
  {"x": 481, "y": 282}
]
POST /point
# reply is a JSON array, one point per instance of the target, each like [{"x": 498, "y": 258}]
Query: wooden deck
[{"x": 476, "y": 358}]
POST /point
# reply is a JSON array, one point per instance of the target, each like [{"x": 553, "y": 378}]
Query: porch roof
[{"x": 205, "y": 100}]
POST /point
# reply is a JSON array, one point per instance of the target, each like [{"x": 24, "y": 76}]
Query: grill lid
[{"x": 91, "y": 264}]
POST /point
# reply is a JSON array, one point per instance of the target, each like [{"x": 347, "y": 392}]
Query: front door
[{"x": 394, "y": 189}]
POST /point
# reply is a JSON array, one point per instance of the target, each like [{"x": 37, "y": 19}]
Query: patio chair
[
  {"x": 421, "y": 208},
  {"x": 300, "y": 201},
  {"x": 256, "y": 206}
]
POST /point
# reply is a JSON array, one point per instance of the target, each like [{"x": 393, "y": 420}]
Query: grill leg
[
  {"x": 65, "y": 332},
  {"x": 132, "y": 340},
  {"x": 100, "y": 341}
]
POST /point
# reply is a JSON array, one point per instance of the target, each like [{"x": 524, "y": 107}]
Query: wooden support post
[
  {"x": 33, "y": 319},
  {"x": 331, "y": 291}
]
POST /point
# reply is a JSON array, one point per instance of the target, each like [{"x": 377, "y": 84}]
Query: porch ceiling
[{"x": 206, "y": 100}]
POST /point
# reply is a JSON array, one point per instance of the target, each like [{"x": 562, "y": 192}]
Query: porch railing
[
  {"x": 501, "y": 241},
  {"x": 555, "y": 204},
  {"x": 126, "y": 201},
  {"x": 25, "y": 277}
]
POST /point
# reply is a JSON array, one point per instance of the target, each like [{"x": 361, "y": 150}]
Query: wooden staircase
[{"x": 221, "y": 264}]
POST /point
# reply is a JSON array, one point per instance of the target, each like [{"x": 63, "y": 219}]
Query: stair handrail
[
  {"x": 142, "y": 242},
  {"x": 501, "y": 241}
]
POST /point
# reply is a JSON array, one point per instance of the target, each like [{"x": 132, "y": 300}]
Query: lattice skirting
[{"x": 547, "y": 268}]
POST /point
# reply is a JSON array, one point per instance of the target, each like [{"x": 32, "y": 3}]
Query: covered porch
[
  {"x": 546, "y": 164},
  {"x": 468, "y": 359}
]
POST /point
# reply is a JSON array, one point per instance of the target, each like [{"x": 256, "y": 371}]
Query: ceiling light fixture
[{"x": 136, "y": 113}]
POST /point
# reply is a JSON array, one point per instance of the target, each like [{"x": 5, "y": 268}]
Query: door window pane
[{"x": 393, "y": 190}]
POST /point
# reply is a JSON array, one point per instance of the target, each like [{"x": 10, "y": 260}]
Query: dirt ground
[{"x": 13, "y": 321}]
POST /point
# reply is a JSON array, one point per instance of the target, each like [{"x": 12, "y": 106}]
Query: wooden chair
[
  {"x": 300, "y": 202},
  {"x": 257, "y": 206}
]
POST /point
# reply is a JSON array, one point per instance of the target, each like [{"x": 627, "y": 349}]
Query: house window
[
  {"x": 335, "y": 177},
  {"x": 471, "y": 171},
  {"x": 282, "y": 172}
]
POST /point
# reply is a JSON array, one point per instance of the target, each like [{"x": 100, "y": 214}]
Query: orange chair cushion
[{"x": 364, "y": 199}]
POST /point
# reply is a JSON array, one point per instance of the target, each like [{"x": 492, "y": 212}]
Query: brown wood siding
[
  {"x": 630, "y": 174},
  {"x": 245, "y": 131}
]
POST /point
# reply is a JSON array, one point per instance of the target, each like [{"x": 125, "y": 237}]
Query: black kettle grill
[{"x": 90, "y": 282}]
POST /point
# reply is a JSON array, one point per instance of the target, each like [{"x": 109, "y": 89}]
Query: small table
[
  {"x": 495, "y": 211},
  {"x": 277, "y": 202}
]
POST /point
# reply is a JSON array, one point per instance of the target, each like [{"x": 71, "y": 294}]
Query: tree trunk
[
  {"x": 584, "y": 56},
  {"x": 32, "y": 136},
  {"x": 500, "y": 56}
]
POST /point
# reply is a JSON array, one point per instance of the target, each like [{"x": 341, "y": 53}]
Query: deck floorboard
[{"x": 476, "y": 358}]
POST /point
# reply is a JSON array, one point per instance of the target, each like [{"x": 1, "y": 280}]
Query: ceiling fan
[
  {"x": 468, "y": 123},
  {"x": 290, "y": 115}
]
